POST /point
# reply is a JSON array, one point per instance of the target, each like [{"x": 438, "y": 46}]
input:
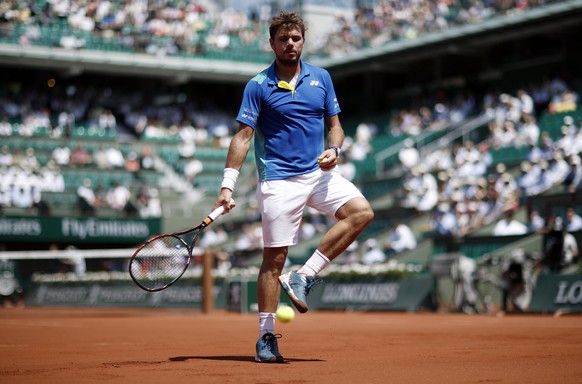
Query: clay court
[{"x": 39, "y": 345}]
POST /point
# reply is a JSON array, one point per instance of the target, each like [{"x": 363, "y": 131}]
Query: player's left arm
[{"x": 335, "y": 138}]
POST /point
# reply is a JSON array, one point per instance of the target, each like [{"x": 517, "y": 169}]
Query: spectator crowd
[
  {"x": 460, "y": 186},
  {"x": 168, "y": 27}
]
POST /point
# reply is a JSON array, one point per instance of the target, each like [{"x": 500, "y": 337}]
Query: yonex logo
[{"x": 314, "y": 83}]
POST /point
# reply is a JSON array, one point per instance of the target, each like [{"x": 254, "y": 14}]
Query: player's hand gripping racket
[{"x": 163, "y": 259}]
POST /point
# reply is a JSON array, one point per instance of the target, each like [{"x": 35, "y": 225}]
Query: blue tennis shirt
[{"x": 289, "y": 125}]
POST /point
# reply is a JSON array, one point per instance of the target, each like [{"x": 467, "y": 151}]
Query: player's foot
[
  {"x": 268, "y": 350},
  {"x": 297, "y": 286}
]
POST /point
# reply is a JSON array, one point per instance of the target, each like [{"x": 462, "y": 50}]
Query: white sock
[
  {"x": 316, "y": 263},
  {"x": 266, "y": 323}
]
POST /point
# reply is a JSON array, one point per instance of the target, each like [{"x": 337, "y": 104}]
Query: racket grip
[{"x": 217, "y": 212}]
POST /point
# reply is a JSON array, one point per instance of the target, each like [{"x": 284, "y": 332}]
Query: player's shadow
[{"x": 238, "y": 358}]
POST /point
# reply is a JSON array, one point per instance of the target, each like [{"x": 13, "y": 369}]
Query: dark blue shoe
[
  {"x": 297, "y": 286},
  {"x": 268, "y": 350}
]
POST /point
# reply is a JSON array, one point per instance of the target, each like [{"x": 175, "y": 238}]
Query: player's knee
[
  {"x": 367, "y": 215},
  {"x": 363, "y": 216}
]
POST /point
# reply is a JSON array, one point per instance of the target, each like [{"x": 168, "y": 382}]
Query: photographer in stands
[{"x": 560, "y": 248}]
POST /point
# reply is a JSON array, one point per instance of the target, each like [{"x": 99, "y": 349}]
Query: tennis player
[{"x": 290, "y": 108}]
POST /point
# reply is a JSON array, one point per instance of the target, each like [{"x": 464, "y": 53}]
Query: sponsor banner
[
  {"x": 406, "y": 294},
  {"x": 119, "y": 295},
  {"x": 73, "y": 230},
  {"x": 553, "y": 292}
]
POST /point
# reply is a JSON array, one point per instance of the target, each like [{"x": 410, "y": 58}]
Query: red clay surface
[{"x": 39, "y": 345}]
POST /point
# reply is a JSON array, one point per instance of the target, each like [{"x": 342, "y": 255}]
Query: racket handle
[{"x": 217, "y": 212}]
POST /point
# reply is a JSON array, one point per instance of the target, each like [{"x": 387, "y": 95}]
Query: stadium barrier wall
[
  {"x": 557, "y": 293},
  {"x": 552, "y": 293}
]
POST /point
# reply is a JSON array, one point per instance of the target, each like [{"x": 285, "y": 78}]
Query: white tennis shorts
[{"x": 282, "y": 202}]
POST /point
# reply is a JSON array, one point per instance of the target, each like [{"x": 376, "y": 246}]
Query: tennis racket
[{"x": 163, "y": 259}]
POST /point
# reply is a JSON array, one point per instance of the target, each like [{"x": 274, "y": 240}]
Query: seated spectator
[
  {"x": 29, "y": 162},
  {"x": 107, "y": 122},
  {"x": 148, "y": 203},
  {"x": 536, "y": 222},
  {"x": 401, "y": 239},
  {"x": 561, "y": 252},
  {"x": 53, "y": 180},
  {"x": 372, "y": 253},
  {"x": 87, "y": 200},
  {"x": 573, "y": 181},
  {"x": 428, "y": 190},
  {"x": 80, "y": 157},
  {"x": 100, "y": 158},
  {"x": 5, "y": 157},
  {"x": 543, "y": 182},
  {"x": 22, "y": 197},
  {"x": 509, "y": 226},
  {"x": 119, "y": 198},
  {"x": 115, "y": 156},
  {"x": 528, "y": 132},
  {"x": 62, "y": 155},
  {"x": 5, "y": 127},
  {"x": 559, "y": 168},
  {"x": 192, "y": 168},
  {"x": 565, "y": 101},
  {"x": 147, "y": 160},
  {"x": 132, "y": 163},
  {"x": 573, "y": 221},
  {"x": 409, "y": 156}
]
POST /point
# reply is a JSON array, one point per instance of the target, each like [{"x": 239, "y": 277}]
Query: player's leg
[
  {"x": 268, "y": 292},
  {"x": 281, "y": 204},
  {"x": 353, "y": 217},
  {"x": 336, "y": 197},
  {"x": 268, "y": 288}
]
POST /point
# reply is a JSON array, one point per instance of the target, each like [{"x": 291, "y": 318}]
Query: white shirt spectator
[
  {"x": 5, "y": 157},
  {"x": 527, "y": 102},
  {"x": 570, "y": 248},
  {"x": 62, "y": 155},
  {"x": 5, "y": 128},
  {"x": 509, "y": 226},
  {"x": 409, "y": 156},
  {"x": 152, "y": 206},
  {"x": 118, "y": 197},
  {"x": 115, "y": 156},
  {"x": 22, "y": 197},
  {"x": 53, "y": 180},
  {"x": 107, "y": 121},
  {"x": 372, "y": 253},
  {"x": 529, "y": 132},
  {"x": 559, "y": 169},
  {"x": 429, "y": 194},
  {"x": 401, "y": 238},
  {"x": 192, "y": 169},
  {"x": 86, "y": 193},
  {"x": 101, "y": 158},
  {"x": 536, "y": 222},
  {"x": 573, "y": 221}
]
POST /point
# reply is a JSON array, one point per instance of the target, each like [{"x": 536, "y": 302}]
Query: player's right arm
[{"x": 237, "y": 153}]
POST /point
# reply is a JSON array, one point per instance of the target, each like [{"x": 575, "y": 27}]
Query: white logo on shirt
[{"x": 314, "y": 83}]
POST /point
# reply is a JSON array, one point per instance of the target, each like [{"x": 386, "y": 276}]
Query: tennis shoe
[
  {"x": 297, "y": 286},
  {"x": 268, "y": 350}
]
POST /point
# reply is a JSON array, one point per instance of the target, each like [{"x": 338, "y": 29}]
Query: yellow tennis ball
[{"x": 285, "y": 313}]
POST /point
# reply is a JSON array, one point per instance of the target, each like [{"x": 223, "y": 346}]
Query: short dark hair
[{"x": 287, "y": 20}]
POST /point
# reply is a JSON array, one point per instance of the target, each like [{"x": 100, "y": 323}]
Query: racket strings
[{"x": 160, "y": 262}]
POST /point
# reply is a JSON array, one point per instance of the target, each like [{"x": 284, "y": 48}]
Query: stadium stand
[{"x": 467, "y": 149}]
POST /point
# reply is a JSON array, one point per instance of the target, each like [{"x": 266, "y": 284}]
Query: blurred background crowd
[{"x": 115, "y": 145}]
